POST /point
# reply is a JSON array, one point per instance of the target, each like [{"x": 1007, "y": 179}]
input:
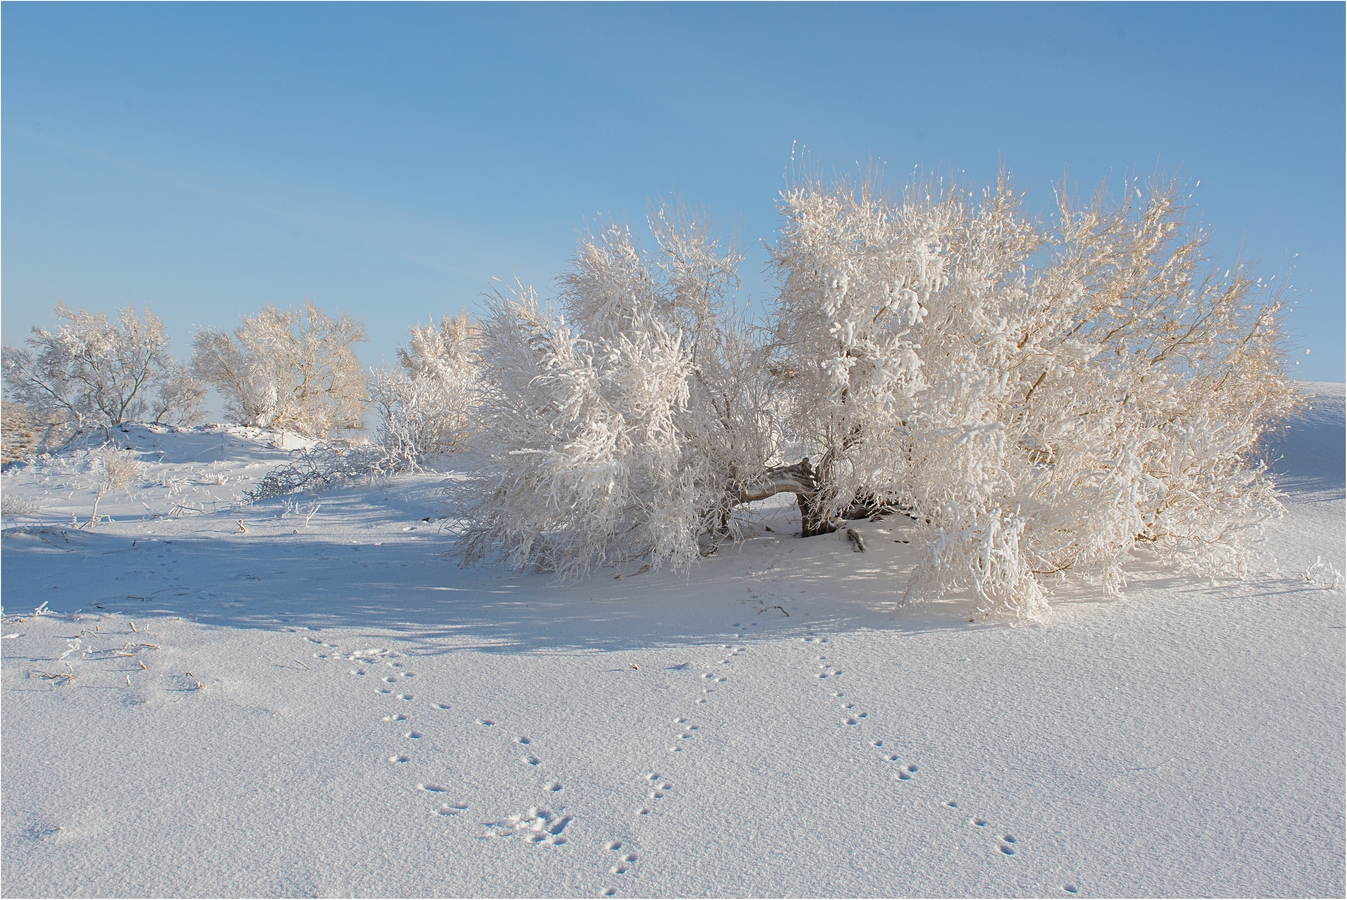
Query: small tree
[
  {"x": 626, "y": 431},
  {"x": 423, "y": 404},
  {"x": 288, "y": 370},
  {"x": 113, "y": 468},
  {"x": 89, "y": 373}
]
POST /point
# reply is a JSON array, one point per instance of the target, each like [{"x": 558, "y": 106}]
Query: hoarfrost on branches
[
  {"x": 424, "y": 404},
  {"x": 312, "y": 469},
  {"x": 287, "y": 370},
  {"x": 1042, "y": 397},
  {"x": 624, "y": 430},
  {"x": 90, "y": 373}
]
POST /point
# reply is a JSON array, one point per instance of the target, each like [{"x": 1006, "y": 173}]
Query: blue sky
[{"x": 391, "y": 160}]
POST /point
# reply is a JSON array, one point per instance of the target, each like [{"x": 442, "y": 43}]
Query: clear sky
[{"x": 391, "y": 160}]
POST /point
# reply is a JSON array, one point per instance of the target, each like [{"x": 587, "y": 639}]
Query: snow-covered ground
[{"x": 307, "y": 697}]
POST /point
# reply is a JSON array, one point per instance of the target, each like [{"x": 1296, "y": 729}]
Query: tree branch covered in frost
[
  {"x": 90, "y": 373},
  {"x": 322, "y": 466},
  {"x": 624, "y": 431},
  {"x": 1044, "y": 398},
  {"x": 424, "y": 404},
  {"x": 287, "y": 370}
]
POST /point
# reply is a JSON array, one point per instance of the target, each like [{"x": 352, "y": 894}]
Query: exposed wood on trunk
[{"x": 857, "y": 541}]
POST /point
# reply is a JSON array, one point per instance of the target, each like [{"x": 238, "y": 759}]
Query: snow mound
[{"x": 1308, "y": 454}]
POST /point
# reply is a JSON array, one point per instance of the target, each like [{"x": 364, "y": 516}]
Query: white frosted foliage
[
  {"x": 618, "y": 431},
  {"x": 91, "y": 373},
  {"x": 424, "y": 404},
  {"x": 288, "y": 370},
  {"x": 1044, "y": 397}
]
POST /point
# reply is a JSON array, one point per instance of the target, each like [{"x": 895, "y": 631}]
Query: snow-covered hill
[{"x": 306, "y": 696}]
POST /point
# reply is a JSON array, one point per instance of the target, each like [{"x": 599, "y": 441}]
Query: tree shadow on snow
[{"x": 411, "y": 590}]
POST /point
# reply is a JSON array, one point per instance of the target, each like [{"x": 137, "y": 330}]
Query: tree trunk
[
  {"x": 813, "y": 518},
  {"x": 800, "y": 480}
]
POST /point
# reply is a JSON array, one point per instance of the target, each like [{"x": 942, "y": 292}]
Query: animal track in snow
[
  {"x": 532, "y": 760},
  {"x": 485, "y": 723},
  {"x": 826, "y": 669},
  {"x": 687, "y": 735},
  {"x": 441, "y": 705},
  {"x": 538, "y": 826},
  {"x": 404, "y": 696},
  {"x": 432, "y": 788},
  {"x": 1007, "y": 843},
  {"x": 658, "y": 785},
  {"x": 554, "y": 786},
  {"x": 414, "y": 735},
  {"x": 400, "y": 758},
  {"x": 450, "y": 809},
  {"x": 396, "y": 717}
]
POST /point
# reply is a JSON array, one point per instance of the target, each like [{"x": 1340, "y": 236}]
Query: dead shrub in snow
[
  {"x": 90, "y": 373},
  {"x": 319, "y": 467},
  {"x": 15, "y": 506},
  {"x": 424, "y": 404},
  {"x": 287, "y": 370}
]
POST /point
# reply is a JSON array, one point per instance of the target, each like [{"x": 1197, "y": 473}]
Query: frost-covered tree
[
  {"x": 623, "y": 430},
  {"x": 423, "y": 405},
  {"x": 91, "y": 373},
  {"x": 1044, "y": 398},
  {"x": 290, "y": 370}
]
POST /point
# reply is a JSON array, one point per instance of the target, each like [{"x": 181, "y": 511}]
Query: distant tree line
[{"x": 285, "y": 370}]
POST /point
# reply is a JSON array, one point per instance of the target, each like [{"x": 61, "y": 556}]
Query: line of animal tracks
[{"x": 607, "y": 856}]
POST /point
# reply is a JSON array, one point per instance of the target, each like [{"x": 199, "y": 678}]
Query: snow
[{"x": 315, "y": 700}]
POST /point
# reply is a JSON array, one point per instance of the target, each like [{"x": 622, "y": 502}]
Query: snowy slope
[{"x": 314, "y": 700}]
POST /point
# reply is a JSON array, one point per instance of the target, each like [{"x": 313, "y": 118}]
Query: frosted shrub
[
  {"x": 624, "y": 431},
  {"x": 287, "y": 370},
  {"x": 113, "y": 468},
  {"x": 89, "y": 373},
  {"x": 1043, "y": 397},
  {"x": 19, "y": 433},
  {"x": 423, "y": 405}
]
